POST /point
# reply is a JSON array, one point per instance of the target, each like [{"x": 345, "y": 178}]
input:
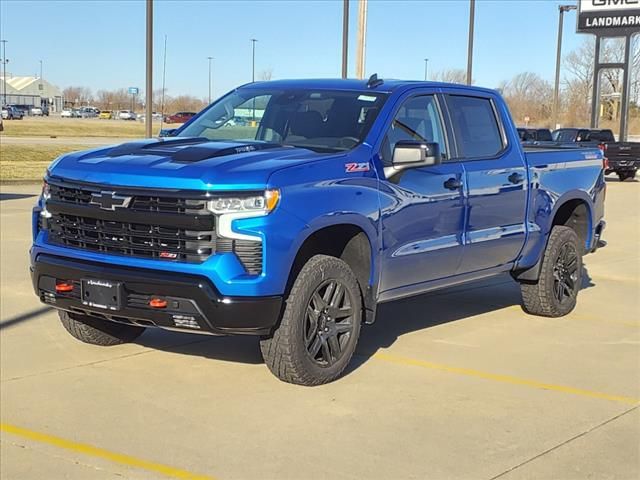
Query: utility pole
[
  {"x": 426, "y": 66},
  {"x": 253, "y": 60},
  {"x": 362, "y": 38},
  {"x": 148, "y": 115},
  {"x": 556, "y": 89},
  {"x": 472, "y": 14},
  {"x": 4, "y": 74},
  {"x": 345, "y": 37},
  {"x": 209, "y": 58},
  {"x": 164, "y": 78}
]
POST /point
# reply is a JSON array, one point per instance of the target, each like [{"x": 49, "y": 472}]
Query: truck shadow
[
  {"x": 394, "y": 319},
  {"x": 15, "y": 196},
  {"x": 617, "y": 180}
]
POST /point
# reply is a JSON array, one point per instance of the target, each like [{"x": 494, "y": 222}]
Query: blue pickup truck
[{"x": 332, "y": 197}]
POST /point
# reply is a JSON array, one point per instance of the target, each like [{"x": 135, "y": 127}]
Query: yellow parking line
[
  {"x": 101, "y": 453},
  {"x": 504, "y": 378}
]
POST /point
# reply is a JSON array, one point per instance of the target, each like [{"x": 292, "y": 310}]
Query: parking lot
[{"x": 456, "y": 384}]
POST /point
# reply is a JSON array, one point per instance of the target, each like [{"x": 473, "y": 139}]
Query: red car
[{"x": 179, "y": 117}]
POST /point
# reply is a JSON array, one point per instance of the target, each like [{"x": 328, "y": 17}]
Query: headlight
[
  {"x": 46, "y": 191},
  {"x": 256, "y": 203}
]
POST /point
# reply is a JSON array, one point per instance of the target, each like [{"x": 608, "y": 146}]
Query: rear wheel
[
  {"x": 320, "y": 326},
  {"x": 556, "y": 291},
  {"x": 98, "y": 332}
]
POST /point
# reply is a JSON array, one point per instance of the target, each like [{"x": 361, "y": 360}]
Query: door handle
[
  {"x": 453, "y": 184},
  {"x": 515, "y": 178}
]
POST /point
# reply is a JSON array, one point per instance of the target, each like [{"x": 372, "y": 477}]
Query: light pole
[
  {"x": 148, "y": 113},
  {"x": 210, "y": 59},
  {"x": 426, "y": 66},
  {"x": 556, "y": 88},
  {"x": 472, "y": 14},
  {"x": 345, "y": 37},
  {"x": 253, "y": 59},
  {"x": 4, "y": 74}
]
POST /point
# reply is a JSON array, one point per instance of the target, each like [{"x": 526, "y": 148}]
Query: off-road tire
[
  {"x": 98, "y": 332},
  {"x": 539, "y": 298},
  {"x": 286, "y": 352}
]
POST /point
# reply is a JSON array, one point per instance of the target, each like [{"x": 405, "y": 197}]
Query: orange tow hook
[{"x": 157, "y": 303}]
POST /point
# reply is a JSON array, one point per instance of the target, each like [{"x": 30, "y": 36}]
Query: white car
[
  {"x": 126, "y": 115},
  {"x": 36, "y": 111},
  {"x": 67, "y": 113}
]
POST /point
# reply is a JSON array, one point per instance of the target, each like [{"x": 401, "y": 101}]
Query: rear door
[{"x": 495, "y": 182}]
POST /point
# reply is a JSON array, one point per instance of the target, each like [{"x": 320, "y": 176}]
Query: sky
[{"x": 101, "y": 44}]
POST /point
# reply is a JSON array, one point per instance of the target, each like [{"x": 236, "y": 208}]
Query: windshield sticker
[{"x": 367, "y": 98}]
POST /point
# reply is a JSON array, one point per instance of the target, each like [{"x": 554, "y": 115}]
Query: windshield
[{"x": 320, "y": 120}]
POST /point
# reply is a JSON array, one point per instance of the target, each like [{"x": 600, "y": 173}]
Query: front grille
[
  {"x": 154, "y": 226},
  {"x": 134, "y": 239},
  {"x": 140, "y": 203}
]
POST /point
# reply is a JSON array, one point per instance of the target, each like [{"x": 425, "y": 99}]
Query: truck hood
[{"x": 184, "y": 163}]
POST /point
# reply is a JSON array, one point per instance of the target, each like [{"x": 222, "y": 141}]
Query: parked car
[
  {"x": 67, "y": 113},
  {"x": 351, "y": 193},
  {"x": 9, "y": 112},
  {"x": 37, "y": 111},
  {"x": 126, "y": 115},
  {"x": 535, "y": 135},
  {"x": 179, "y": 117},
  {"x": 623, "y": 158},
  {"x": 106, "y": 115}
]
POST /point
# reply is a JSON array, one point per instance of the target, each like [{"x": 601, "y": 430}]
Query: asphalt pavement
[{"x": 456, "y": 384}]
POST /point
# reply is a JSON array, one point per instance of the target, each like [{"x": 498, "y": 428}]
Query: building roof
[{"x": 29, "y": 86}]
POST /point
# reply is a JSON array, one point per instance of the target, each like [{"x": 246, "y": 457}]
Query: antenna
[{"x": 374, "y": 81}]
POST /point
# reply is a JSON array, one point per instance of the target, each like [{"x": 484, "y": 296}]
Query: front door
[{"x": 422, "y": 208}]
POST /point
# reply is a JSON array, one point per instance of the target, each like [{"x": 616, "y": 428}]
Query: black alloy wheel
[
  {"x": 329, "y": 322},
  {"x": 565, "y": 274}
]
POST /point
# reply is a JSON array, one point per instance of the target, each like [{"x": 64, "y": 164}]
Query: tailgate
[{"x": 624, "y": 153}]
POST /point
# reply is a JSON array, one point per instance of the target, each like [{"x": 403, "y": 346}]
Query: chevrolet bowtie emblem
[{"x": 109, "y": 200}]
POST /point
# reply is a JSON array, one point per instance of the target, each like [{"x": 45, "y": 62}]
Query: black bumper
[{"x": 193, "y": 303}]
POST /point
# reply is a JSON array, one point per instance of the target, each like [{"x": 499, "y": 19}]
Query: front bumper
[{"x": 193, "y": 303}]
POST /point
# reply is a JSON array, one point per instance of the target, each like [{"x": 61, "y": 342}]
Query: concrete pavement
[{"x": 456, "y": 384}]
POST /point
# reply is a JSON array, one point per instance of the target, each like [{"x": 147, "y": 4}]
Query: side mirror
[
  {"x": 413, "y": 154},
  {"x": 167, "y": 132}
]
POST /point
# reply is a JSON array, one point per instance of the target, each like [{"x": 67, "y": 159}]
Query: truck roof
[{"x": 387, "y": 85}]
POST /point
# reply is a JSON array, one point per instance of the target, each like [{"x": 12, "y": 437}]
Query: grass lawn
[
  {"x": 29, "y": 163},
  {"x": 75, "y": 127}
]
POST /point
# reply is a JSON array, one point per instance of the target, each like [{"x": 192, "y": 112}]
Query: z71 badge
[{"x": 356, "y": 167}]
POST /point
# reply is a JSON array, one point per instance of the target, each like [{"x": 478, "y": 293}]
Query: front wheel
[
  {"x": 319, "y": 330},
  {"x": 98, "y": 332},
  {"x": 556, "y": 291}
]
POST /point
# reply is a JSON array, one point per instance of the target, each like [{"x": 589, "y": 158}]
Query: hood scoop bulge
[{"x": 189, "y": 149}]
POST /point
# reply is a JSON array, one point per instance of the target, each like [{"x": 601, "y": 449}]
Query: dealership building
[{"x": 27, "y": 92}]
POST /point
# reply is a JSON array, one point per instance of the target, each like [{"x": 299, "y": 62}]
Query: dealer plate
[{"x": 101, "y": 294}]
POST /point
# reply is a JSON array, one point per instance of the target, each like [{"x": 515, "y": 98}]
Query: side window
[
  {"x": 475, "y": 126},
  {"x": 418, "y": 119}
]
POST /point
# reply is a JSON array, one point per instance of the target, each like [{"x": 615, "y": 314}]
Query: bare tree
[
  {"x": 266, "y": 74},
  {"x": 452, "y": 75},
  {"x": 77, "y": 96},
  {"x": 529, "y": 95},
  {"x": 578, "y": 83}
]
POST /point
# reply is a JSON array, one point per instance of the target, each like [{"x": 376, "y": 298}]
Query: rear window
[
  {"x": 476, "y": 126},
  {"x": 565, "y": 135},
  {"x": 544, "y": 135},
  {"x": 600, "y": 136}
]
